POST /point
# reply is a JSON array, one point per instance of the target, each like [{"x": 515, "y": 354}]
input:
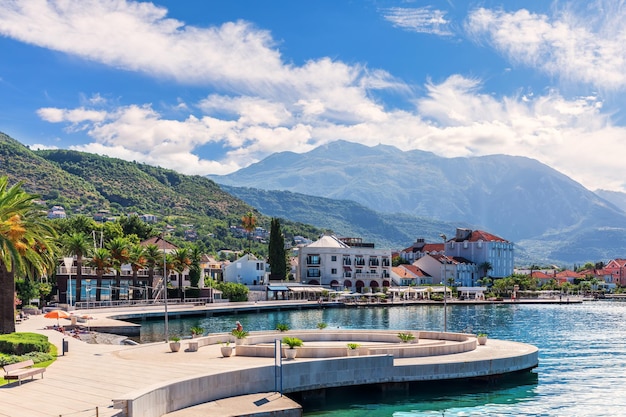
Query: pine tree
[{"x": 277, "y": 257}]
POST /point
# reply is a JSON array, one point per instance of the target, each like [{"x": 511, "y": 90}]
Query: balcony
[{"x": 313, "y": 260}]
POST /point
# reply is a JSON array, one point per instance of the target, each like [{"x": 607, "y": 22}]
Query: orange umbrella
[{"x": 57, "y": 314}]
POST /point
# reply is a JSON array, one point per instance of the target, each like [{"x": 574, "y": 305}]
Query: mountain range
[{"x": 549, "y": 216}]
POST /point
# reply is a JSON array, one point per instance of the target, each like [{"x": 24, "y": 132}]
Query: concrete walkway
[{"x": 89, "y": 376}]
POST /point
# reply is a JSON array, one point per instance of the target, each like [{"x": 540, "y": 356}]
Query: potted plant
[
  {"x": 196, "y": 331},
  {"x": 174, "y": 343},
  {"x": 282, "y": 327},
  {"x": 240, "y": 336},
  {"x": 406, "y": 337},
  {"x": 353, "y": 349},
  {"x": 482, "y": 338},
  {"x": 227, "y": 349},
  {"x": 322, "y": 325},
  {"x": 293, "y": 343}
]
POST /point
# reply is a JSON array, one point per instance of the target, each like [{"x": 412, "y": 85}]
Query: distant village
[{"x": 469, "y": 261}]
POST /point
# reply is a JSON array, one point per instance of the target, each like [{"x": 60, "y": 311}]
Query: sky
[{"x": 210, "y": 87}]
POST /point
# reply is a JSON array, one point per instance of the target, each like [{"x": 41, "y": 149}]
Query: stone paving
[{"x": 84, "y": 381}]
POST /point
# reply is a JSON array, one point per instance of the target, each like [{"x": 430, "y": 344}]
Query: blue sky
[{"x": 209, "y": 87}]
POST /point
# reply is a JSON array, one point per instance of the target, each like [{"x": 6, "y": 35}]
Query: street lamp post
[
  {"x": 445, "y": 304},
  {"x": 167, "y": 331}
]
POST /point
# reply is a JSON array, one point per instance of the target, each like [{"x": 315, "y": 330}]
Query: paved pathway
[{"x": 91, "y": 375}]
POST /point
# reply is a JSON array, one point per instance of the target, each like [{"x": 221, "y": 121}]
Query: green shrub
[
  {"x": 321, "y": 325},
  {"x": 22, "y": 343},
  {"x": 292, "y": 342},
  {"x": 406, "y": 337},
  {"x": 282, "y": 327}
]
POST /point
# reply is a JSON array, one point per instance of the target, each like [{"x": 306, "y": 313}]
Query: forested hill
[{"x": 85, "y": 183}]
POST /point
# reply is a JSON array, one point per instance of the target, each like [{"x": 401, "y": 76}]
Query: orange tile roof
[{"x": 477, "y": 235}]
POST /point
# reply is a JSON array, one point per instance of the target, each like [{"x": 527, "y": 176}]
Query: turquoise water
[{"x": 582, "y": 358}]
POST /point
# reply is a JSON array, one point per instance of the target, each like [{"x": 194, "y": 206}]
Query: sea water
[{"x": 582, "y": 357}]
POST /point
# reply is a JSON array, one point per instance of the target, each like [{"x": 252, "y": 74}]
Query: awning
[{"x": 276, "y": 288}]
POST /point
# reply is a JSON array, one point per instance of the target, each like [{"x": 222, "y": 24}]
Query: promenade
[{"x": 85, "y": 381}]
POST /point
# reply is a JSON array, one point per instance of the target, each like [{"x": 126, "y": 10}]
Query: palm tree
[
  {"x": 26, "y": 245},
  {"x": 181, "y": 262},
  {"x": 485, "y": 267},
  {"x": 101, "y": 261},
  {"x": 248, "y": 222},
  {"x": 154, "y": 257},
  {"x": 119, "y": 249},
  {"x": 77, "y": 244},
  {"x": 137, "y": 260},
  {"x": 195, "y": 255}
]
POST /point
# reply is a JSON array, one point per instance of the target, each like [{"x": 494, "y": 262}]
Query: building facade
[
  {"x": 481, "y": 248},
  {"x": 247, "y": 270},
  {"x": 346, "y": 263}
]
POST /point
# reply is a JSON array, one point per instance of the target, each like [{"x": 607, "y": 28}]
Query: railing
[
  {"x": 130, "y": 303},
  {"x": 88, "y": 271},
  {"x": 367, "y": 275}
]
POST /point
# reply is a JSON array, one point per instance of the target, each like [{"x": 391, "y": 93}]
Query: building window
[
  {"x": 333, "y": 271},
  {"x": 313, "y": 273},
  {"x": 313, "y": 260},
  {"x": 333, "y": 258},
  {"x": 347, "y": 260}
]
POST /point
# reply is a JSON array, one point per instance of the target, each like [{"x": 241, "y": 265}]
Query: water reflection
[{"x": 581, "y": 356}]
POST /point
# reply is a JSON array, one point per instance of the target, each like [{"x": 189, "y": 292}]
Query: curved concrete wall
[{"x": 309, "y": 375}]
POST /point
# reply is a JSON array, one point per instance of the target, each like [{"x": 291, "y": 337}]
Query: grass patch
[{"x": 41, "y": 359}]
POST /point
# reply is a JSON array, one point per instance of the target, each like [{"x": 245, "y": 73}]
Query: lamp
[
  {"x": 445, "y": 289},
  {"x": 167, "y": 331}
]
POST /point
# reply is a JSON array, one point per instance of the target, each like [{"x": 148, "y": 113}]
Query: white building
[
  {"x": 454, "y": 271},
  {"x": 247, "y": 270},
  {"x": 480, "y": 248},
  {"x": 344, "y": 263}
]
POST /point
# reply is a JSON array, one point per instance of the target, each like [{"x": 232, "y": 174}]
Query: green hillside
[{"x": 85, "y": 183}]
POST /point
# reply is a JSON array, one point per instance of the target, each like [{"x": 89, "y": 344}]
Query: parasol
[{"x": 57, "y": 314}]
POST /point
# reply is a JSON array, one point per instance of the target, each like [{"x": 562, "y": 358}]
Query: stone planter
[
  {"x": 353, "y": 352},
  {"x": 240, "y": 341},
  {"x": 174, "y": 346},
  {"x": 291, "y": 353},
  {"x": 482, "y": 340},
  {"x": 227, "y": 351}
]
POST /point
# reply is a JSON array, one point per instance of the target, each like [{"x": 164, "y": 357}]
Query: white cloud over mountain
[{"x": 257, "y": 102}]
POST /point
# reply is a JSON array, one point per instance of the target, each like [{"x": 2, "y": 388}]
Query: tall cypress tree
[{"x": 277, "y": 257}]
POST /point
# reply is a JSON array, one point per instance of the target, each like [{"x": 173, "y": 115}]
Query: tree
[
  {"x": 277, "y": 256},
  {"x": 181, "y": 262},
  {"x": 119, "y": 250},
  {"x": 137, "y": 261},
  {"x": 76, "y": 244},
  {"x": 154, "y": 257},
  {"x": 26, "y": 245},
  {"x": 485, "y": 267},
  {"x": 133, "y": 225},
  {"x": 195, "y": 255},
  {"x": 248, "y": 222},
  {"x": 101, "y": 261}
]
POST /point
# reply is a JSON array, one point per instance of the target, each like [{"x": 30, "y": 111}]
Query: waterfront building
[
  {"x": 409, "y": 275},
  {"x": 454, "y": 271},
  {"x": 247, "y": 270},
  {"x": 340, "y": 263},
  {"x": 419, "y": 249},
  {"x": 617, "y": 269},
  {"x": 481, "y": 248}
]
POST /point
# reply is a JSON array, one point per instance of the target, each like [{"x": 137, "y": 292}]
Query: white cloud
[
  {"x": 454, "y": 118},
  {"x": 582, "y": 46},
  {"x": 421, "y": 20},
  {"x": 256, "y": 104}
]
